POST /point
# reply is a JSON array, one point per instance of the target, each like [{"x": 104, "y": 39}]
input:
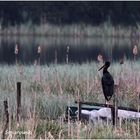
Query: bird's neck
[{"x": 105, "y": 70}]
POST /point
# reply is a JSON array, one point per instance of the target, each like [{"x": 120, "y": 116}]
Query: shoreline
[{"x": 76, "y": 30}]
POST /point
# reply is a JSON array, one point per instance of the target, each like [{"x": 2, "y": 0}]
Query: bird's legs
[{"x": 107, "y": 102}]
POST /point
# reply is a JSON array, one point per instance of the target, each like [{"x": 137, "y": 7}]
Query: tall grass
[
  {"x": 44, "y": 102},
  {"x": 76, "y": 30}
]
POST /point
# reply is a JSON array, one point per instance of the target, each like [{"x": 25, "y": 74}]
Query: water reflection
[{"x": 81, "y": 49}]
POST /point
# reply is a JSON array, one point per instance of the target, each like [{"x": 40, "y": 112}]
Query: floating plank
[{"x": 110, "y": 106}]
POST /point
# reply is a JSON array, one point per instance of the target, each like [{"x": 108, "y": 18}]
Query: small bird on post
[
  {"x": 107, "y": 82},
  {"x": 39, "y": 52},
  {"x": 16, "y": 52},
  {"x": 135, "y": 51},
  {"x": 67, "y": 55},
  {"x": 100, "y": 58}
]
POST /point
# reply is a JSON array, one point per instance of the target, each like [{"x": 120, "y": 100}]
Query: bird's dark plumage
[{"x": 107, "y": 82}]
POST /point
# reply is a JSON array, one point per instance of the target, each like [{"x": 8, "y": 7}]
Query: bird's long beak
[{"x": 101, "y": 67}]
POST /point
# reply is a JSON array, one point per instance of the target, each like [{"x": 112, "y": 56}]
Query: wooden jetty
[{"x": 78, "y": 106}]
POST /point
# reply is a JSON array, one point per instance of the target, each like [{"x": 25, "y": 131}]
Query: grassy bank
[
  {"x": 76, "y": 30},
  {"x": 46, "y": 91}
]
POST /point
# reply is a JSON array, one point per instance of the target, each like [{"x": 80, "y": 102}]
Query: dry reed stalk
[
  {"x": 72, "y": 131},
  {"x": 79, "y": 106},
  {"x": 120, "y": 123},
  {"x": 20, "y": 71},
  {"x": 69, "y": 124},
  {"x": 37, "y": 75},
  {"x": 134, "y": 129},
  {"x": 91, "y": 87},
  {"x": 34, "y": 109},
  {"x": 60, "y": 134},
  {"x": 50, "y": 136},
  {"x": 87, "y": 81},
  {"x": 126, "y": 126},
  {"x": 79, "y": 115},
  {"x": 77, "y": 77},
  {"x": 31, "y": 125},
  {"x": 45, "y": 135},
  {"x": 58, "y": 83},
  {"x": 61, "y": 121},
  {"x": 86, "y": 131},
  {"x": 33, "y": 120},
  {"x": 69, "y": 119},
  {"x": 46, "y": 85},
  {"x": 47, "y": 88},
  {"x": 78, "y": 123},
  {"x": 9, "y": 115}
]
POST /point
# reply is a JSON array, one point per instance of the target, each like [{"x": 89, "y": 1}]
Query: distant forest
[{"x": 69, "y": 12}]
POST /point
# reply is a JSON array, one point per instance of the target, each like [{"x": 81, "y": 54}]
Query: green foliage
[{"x": 45, "y": 127}]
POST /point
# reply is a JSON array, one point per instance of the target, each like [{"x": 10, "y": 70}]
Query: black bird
[{"x": 107, "y": 82}]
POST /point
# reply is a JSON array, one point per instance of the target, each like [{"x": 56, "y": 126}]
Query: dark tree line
[{"x": 64, "y": 12}]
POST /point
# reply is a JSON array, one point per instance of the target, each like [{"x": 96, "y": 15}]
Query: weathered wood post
[
  {"x": 67, "y": 55},
  {"x": 7, "y": 118},
  {"x": 38, "y": 53},
  {"x": 18, "y": 100},
  {"x": 113, "y": 115},
  {"x": 114, "y": 108},
  {"x": 55, "y": 55},
  {"x": 79, "y": 110}
]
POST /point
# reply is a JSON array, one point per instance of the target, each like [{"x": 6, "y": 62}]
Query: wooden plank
[{"x": 110, "y": 106}]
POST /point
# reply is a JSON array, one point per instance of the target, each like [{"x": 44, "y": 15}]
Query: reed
[
  {"x": 77, "y": 30},
  {"x": 44, "y": 101}
]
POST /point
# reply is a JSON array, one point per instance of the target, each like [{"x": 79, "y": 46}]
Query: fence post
[
  {"x": 7, "y": 118},
  {"x": 39, "y": 53},
  {"x": 18, "y": 100},
  {"x": 67, "y": 55},
  {"x": 113, "y": 114},
  {"x": 79, "y": 109},
  {"x": 114, "y": 109},
  {"x": 55, "y": 55}
]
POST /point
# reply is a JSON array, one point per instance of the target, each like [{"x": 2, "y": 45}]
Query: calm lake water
[{"x": 81, "y": 49}]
